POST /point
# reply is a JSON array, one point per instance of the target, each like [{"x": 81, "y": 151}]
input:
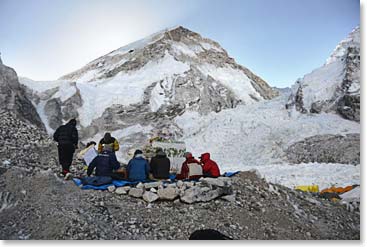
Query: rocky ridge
[
  {"x": 326, "y": 149},
  {"x": 14, "y": 98}
]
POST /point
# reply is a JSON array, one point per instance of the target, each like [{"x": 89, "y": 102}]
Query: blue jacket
[
  {"x": 138, "y": 169},
  {"x": 104, "y": 163}
]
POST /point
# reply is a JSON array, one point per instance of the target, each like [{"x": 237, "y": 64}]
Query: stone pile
[{"x": 205, "y": 190}]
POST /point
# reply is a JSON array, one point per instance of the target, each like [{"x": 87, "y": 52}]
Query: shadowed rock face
[
  {"x": 14, "y": 98},
  {"x": 326, "y": 149}
]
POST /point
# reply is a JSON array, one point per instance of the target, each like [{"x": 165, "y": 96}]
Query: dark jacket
[
  {"x": 104, "y": 163},
  {"x": 137, "y": 169},
  {"x": 210, "y": 167},
  {"x": 160, "y": 166},
  {"x": 66, "y": 134}
]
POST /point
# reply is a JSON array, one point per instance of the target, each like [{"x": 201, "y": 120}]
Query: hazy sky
[{"x": 280, "y": 40}]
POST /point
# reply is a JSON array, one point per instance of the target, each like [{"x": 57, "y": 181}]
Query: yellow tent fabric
[{"x": 308, "y": 188}]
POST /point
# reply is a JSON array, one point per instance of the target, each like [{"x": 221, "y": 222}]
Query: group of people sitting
[
  {"x": 139, "y": 168},
  {"x": 105, "y": 164}
]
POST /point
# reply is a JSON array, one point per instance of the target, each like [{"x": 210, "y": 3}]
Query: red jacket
[
  {"x": 210, "y": 168},
  {"x": 185, "y": 169}
]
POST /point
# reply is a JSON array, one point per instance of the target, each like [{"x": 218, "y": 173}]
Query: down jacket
[{"x": 210, "y": 167}]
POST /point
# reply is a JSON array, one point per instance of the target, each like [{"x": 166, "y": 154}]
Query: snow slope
[{"x": 255, "y": 134}]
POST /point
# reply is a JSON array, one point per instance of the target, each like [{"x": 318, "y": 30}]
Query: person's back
[
  {"x": 160, "y": 165},
  {"x": 138, "y": 167},
  {"x": 210, "y": 167},
  {"x": 191, "y": 168},
  {"x": 104, "y": 164},
  {"x": 67, "y": 138},
  {"x": 110, "y": 141}
]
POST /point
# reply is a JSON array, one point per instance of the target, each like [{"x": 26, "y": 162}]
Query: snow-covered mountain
[
  {"x": 146, "y": 84},
  {"x": 334, "y": 87}
]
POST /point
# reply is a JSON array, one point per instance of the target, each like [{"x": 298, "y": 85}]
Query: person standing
[{"x": 67, "y": 138}]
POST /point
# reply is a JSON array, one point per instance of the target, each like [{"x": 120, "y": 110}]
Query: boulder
[
  {"x": 136, "y": 192},
  {"x": 202, "y": 194},
  {"x": 167, "y": 193},
  {"x": 150, "y": 196}
]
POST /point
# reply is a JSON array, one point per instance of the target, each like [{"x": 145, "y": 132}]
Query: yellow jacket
[{"x": 114, "y": 145}]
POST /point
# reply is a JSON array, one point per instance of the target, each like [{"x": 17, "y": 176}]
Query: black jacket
[
  {"x": 104, "y": 163},
  {"x": 66, "y": 134},
  {"x": 160, "y": 166}
]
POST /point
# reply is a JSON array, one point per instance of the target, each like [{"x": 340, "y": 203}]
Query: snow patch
[
  {"x": 234, "y": 79},
  {"x": 66, "y": 90},
  {"x": 321, "y": 83},
  {"x": 40, "y": 108},
  {"x": 40, "y": 86},
  {"x": 124, "y": 88},
  {"x": 208, "y": 46},
  {"x": 179, "y": 48},
  {"x": 321, "y": 174},
  {"x": 158, "y": 95}
]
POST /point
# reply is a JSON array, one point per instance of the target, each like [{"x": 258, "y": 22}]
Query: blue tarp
[
  {"x": 230, "y": 174},
  {"x": 120, "y": 183},
  {"x": 116, "y": 183}
]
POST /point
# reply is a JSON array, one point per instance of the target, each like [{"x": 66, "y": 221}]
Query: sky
[{"x": 279, "y": 40}]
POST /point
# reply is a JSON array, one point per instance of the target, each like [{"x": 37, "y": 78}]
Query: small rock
[
  {"x": 111, "y": 188},
  {"x": 122, "y": 190},
  {"x": 140, "y": 186},
  {"x": 173, "y": 185},
  {"x": 167, "y": 193},
  {"x": 180, "y": 183},
  {"x": 152, "y": 185},
  {"x": 154, "y": 190},
  {"x": 136, "y": 192},
  {"x": 230, "y": 198},
  {"x": 150, "y": 196}
]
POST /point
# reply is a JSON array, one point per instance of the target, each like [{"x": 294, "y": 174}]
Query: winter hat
[
  {"x": 72, "y": 122},
  {"x": 91, "y": 143},
  {"x": 188, "y": 155},
  {"x": 107, "y": 137},
  {"x": 137, "y": 152}
]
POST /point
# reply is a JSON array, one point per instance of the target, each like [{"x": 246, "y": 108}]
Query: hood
[
  {"x": 205, "y": 157},
  {"x": 161, "y": 154}
]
